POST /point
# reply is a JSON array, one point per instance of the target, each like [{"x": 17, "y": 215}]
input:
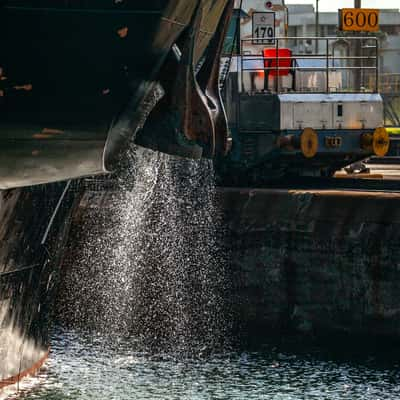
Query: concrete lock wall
[{"x": 315, "y": 261}]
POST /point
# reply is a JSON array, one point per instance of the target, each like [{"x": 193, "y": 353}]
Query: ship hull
[
  {"x": 34, "y": 222},
  {"x": 73, "y": 77}
]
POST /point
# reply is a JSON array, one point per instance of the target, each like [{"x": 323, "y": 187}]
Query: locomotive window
[{"x": 340, "y": 110}]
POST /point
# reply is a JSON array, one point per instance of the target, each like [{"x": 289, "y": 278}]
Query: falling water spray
[{"x": 148, "y": 262}]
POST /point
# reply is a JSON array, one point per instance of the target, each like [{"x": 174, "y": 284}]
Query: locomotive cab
[{"x": 300, "y": 105}]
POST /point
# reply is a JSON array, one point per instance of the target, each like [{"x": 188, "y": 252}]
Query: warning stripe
[{"x": 30, "y": 371}]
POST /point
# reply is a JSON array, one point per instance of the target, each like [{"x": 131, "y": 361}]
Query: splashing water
[{"x": 150, "y": 264}]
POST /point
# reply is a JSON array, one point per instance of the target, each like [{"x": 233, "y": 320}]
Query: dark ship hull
[
  {"x": 74, "y": 77},
  {"x": 34, "y": 222}
]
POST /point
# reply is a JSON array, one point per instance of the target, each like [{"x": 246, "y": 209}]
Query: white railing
[{"x": 343, "y": 65}]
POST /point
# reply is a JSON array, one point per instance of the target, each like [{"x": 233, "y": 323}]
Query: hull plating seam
[{"x": 17, "y": 271}]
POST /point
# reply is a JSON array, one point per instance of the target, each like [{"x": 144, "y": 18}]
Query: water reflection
[{"x": 92, "y": 367}]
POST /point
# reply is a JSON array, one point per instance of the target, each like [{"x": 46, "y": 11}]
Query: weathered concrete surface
[{"x": 315, "y": 261}]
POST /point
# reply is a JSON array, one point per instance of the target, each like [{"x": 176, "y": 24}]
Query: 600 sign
[{"x": 359, "y": 19}]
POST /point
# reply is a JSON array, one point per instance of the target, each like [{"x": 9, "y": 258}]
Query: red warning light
[{"x": 268, "y": 4}]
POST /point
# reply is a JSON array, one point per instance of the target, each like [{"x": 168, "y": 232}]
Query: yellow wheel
[
  {"x": 380, "y": 142},
  {"x": 309, "y": 142}
]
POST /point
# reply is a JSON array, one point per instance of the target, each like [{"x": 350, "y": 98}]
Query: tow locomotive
[{"x": 298, "y": 105}]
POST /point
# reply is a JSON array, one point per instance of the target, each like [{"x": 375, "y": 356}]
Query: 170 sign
[
  {"x": 359, "y": 19},
  {"x": 263, "y": 27}
]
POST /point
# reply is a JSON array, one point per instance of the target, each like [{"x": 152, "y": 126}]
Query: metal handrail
[
  {"x": 306, "y": 68},
  {"x": 329, "y": 57},
  {"x": 312, "y": 57},
  {"x": 321, "y": 38}
]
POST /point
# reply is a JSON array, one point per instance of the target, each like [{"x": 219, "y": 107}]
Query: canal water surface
[{"x": 92, "y": 367}]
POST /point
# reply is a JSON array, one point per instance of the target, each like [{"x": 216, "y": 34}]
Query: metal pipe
[
  {"x": 327, "y": 65},
  {"x": 311, "y": 57},
  {"x": 357, "y": 51},
  {"x": 377, "y": 67},
  {"x": 316, "y": 25},
  {"x": 311, "y": 37},
  {"x": 241, "y": 66},
  {"x": 309, "y": 68},
  {"x": 276, "y": 66}
]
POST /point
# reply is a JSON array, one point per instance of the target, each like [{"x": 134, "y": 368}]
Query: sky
[{"x": 334, "y": 5}]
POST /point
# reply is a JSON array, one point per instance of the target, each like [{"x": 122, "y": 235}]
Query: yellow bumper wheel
[
  {"x": 309, "y": 142},
  {"x": 377, "y": 143}
]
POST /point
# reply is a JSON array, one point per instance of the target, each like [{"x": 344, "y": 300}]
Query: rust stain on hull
[
  {"x": 28, "y": 372},
  {"x": 123, "y": 32},
  {"x": 26, "y": 88}
]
